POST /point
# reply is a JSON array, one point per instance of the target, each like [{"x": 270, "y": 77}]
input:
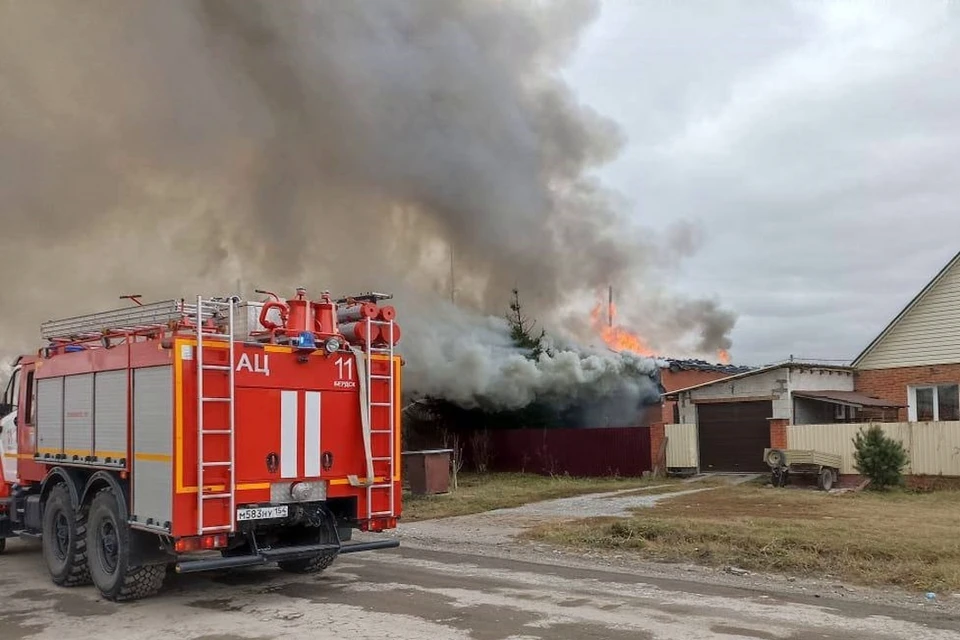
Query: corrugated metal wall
[
  {"x": 933, "y": 447},
  {"x": 578, "y": 452},
  {"x": 682, "y": 449}
]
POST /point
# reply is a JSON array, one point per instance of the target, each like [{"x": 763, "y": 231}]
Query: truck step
[
  {"x": 382, "y": 458},
  {"x": 377, "y": 376},
  {"x": 216, "y": 432},
  {"x": 381, "y": 430},
  {"x": 217, "y": 367},
  {"x": 222, "y": 527},
  {"x": 218, "y": 464},
  {"x": 374, "y": 514},
  {"x": 381, "y": 404},
  {"x": 215, "y": 496},
  {"x": 216, "y": 336},
  {"x": 208, "y": 399}
]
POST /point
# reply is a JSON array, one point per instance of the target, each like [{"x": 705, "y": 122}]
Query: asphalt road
[{"x": 418, "y": 593}]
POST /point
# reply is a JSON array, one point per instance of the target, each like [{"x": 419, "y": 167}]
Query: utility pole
[
  {"x": 610, "y": 306},
  {"x": 452, "y": 286}
]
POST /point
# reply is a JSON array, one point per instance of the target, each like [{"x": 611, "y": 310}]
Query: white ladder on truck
[
  {"x": 206, "y": 308},
  {"x": 379, "y": 433}
]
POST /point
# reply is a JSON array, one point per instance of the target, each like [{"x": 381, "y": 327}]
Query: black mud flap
[
  {"x": 6, "y": 527},
  {"x": 147, "y": 549}
]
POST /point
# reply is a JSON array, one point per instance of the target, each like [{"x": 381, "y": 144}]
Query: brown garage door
[{"x": 733, "y": 435}]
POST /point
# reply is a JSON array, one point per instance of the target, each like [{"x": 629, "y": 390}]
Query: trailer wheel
[
  {"x": 108, "y": 539},
  {"x": 826, "y": 479},
  {"x": 64, "y": 539}
]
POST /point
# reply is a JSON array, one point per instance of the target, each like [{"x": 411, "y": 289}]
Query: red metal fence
[{"x": 578, "y": 452}]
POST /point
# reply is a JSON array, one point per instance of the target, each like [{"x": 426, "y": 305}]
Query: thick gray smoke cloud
[
  {"x": 470, "y": 359},
  {"x": 170, "y": 148}
]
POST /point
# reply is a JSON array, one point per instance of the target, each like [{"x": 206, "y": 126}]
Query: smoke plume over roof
[{"x": 170, "y": 148}]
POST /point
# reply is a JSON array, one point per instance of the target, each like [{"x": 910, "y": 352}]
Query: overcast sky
[{"x": 815, "y": 143}]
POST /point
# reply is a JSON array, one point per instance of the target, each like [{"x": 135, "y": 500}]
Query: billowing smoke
[
  {"x": 170, "y": 148},
  {"x": 470, "y": 360}
]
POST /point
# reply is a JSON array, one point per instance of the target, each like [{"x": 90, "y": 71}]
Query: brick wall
[
  {"x": 778, "y": 433},
  {"x": 673, "y": 380},
  {"x": 891, "y": 384},
  {"x": 657, "y": 432}
]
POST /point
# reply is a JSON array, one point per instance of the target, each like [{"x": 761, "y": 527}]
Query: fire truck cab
[{"x": 201, "y": 435}]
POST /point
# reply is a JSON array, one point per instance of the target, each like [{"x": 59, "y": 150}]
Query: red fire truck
[{"x": 203, "y": 434}]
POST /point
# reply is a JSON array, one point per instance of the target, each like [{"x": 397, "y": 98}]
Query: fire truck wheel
[
  {"x": 108, "y": 539},
  {"x": 64, "y": 539},
  {"x": 316, "y": 564}
]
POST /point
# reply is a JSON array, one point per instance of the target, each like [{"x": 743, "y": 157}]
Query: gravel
[{"x": 494, "y": 534}]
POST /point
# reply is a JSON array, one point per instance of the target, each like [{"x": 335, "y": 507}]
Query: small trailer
[{"x": 784, "y": 462}]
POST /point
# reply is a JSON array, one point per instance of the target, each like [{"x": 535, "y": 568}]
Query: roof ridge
[{"x": 909, "y": 307}]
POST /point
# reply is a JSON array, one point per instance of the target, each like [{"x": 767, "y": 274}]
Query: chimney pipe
[{"x": 610, "y": 307}]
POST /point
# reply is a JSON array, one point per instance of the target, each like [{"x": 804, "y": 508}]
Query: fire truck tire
[
  {"x": 316, "y": 564},
  {"x": 108, "y": 540},
  {"x": 64, "y": 539}
]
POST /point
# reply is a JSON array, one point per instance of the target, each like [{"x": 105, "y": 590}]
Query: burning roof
[
  {"x": 702, "y": 365},
  {"x": 618, "y": 338}
]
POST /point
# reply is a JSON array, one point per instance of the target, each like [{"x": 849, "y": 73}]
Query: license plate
[{"x": 262, "y": 513}]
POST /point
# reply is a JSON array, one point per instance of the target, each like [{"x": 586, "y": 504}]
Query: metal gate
[{"x": 733, "y": 435}]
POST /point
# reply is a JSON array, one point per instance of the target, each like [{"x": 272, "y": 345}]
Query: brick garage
[
  {"x": 681, "y": 374},
  {"x": 738, "y": 416}
]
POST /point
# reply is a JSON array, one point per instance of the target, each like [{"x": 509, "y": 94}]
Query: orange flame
[
  {"x": 724, "y": 356},
  {"x": 616, "y": 337}
]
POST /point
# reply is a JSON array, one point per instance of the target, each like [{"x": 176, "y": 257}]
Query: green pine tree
[
  {"x": 879, "y": 458},
  {"x": 521, "y": 328}
]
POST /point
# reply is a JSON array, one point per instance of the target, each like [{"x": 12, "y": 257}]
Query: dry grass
[
  {"x": 897, "y": 538},
  {"x": 477, "y": 493}
]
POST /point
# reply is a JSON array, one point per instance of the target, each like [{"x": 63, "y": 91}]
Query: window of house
[
  {"x": 948, "y": 402},
  {"x": 940, "y": 402}
]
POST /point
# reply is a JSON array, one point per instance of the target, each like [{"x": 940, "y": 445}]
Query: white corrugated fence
[
  {"x": 933, "y": 447},
  {"x": 682, "y": 450}
]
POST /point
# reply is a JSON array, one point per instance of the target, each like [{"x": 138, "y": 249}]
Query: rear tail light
[
  {"x": 378, "y": 524},
  {"x": 196, "y": 543}
]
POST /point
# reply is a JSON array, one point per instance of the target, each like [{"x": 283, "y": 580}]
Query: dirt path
[
  {"x": 412, "y": 593},
  {"x": 494, "y": 533}
]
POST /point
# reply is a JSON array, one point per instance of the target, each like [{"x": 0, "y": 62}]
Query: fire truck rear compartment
[{"x": 310, "y": 530}]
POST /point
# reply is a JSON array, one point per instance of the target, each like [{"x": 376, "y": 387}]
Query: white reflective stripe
[
  {"x": 311, "y": 439},
  {"x": 288, "y": 434}
]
